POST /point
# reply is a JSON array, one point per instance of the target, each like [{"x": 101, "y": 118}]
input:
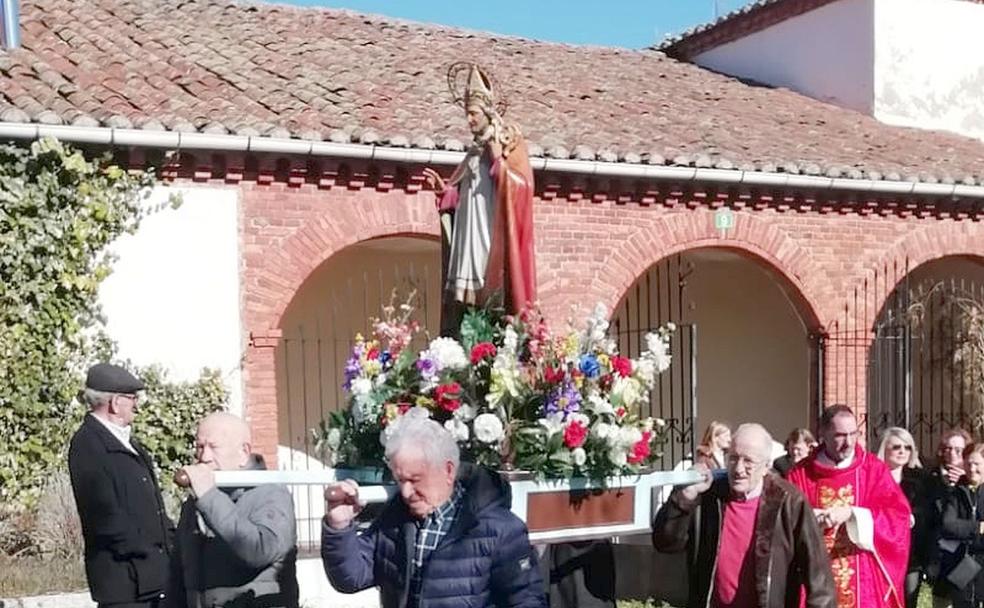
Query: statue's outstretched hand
[{"x": 434, "y": 181}]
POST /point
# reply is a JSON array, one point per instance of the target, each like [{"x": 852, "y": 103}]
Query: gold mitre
[
  {"x": 470, "y": 84},
  {"x": 479, "y": 88}
]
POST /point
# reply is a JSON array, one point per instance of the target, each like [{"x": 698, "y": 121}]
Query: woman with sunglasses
[{"x": 898, "y": 451}]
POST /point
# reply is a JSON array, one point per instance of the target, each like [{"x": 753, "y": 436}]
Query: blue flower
[
  {"x": 589, "y": 366},
  {"x": 384, "y": 357}
]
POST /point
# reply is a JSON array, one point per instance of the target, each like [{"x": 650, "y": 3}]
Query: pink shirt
[{"x": 734, "y": 579}]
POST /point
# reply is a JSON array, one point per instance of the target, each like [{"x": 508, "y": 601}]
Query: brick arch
[
  {"x": 305, "y": 251},
  {"x": 760, "y": 241},
  {"x": 917, "y": 247}
]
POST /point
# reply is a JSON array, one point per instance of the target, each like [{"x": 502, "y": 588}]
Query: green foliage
[
  {"x": 58, "y": 212},
  {"x": 168, "y": 415}
]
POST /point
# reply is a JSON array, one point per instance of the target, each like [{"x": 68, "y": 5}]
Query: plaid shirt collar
[{"x": 436, "y": 526}]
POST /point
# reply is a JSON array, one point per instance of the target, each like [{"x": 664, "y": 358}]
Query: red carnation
[
  {"x": 574, "y": 434},
  {"x": 373, "y": 354},
  {"x": 622, "y": 366},
  {"x": 447, "y": 396},
  {"x": 640, "y": 451},
  {"x": 482, "y": 351},
  {"x": 553, "y": 375}
]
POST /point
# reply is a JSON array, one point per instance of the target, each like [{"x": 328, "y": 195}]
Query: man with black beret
[{"x": 126, "y": 530}]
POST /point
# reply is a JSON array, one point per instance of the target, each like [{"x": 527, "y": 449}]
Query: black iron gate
[
  {"x": 923, "y": 369},
  {"x": 657, "y": 298}
]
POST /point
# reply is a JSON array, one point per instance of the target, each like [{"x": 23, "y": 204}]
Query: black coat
[
  {"x": 126, "y": 530},
  {"x": 963, "y": 510},
  {"x": 917, "y": 486}
]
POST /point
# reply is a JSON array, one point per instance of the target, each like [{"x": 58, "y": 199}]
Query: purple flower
[
  {"x": 427, "y": 367},
  {"x": 564, "y": 398},
  {"x": 352, "y": 370}
]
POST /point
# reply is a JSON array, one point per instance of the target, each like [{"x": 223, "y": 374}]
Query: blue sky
[{"x": 625, "y": 23}]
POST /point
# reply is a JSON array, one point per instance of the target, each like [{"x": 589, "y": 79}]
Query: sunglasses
[{"x": 899, "y": 447}]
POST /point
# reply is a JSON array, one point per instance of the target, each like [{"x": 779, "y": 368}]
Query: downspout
[
  {"x": 10, "y": 19},
  {"x": 240, "y": 143}
]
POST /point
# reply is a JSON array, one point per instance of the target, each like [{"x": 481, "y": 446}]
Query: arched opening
[
  {"x": 925, "y": 366},
  {"x": 742, "y": 351},
  {"x": 319, "y": 325}
]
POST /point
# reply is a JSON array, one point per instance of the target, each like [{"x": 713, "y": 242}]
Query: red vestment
[
  {"x": 863, "y": 578},
  {"x": 510, "y": 270}
]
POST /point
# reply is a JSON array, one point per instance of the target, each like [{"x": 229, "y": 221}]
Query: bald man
[
  {"x": 752, "y": 538},
  {"x": 234, "y": 546}
]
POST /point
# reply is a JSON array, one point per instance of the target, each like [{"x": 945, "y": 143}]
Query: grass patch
[{"x": 27, "y": 576}]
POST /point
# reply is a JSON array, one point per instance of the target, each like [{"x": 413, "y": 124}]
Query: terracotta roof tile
[{"x": 221, "y": 67}]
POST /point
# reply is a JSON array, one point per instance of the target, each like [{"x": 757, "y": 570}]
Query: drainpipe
[
  {"x": 173, "y": 140},
  {"x": 10, "y": 18}
]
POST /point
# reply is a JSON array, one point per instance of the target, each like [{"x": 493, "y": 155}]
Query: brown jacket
[{"x": 788, "y": 548}]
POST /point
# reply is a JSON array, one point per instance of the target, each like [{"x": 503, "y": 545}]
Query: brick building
[{"x": 774, "y": 228}]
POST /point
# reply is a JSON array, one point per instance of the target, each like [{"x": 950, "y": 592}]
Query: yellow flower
[
  {"x": 423, "y": 401},
  {"x": 604, "y": 360}
]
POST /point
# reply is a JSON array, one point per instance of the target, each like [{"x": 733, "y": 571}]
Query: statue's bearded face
[{"x": 478, "y": 121}]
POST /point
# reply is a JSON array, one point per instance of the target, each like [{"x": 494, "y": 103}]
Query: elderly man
[
  {"x": 769, "y": 543},
  {"x": 126, "y": 531},
  {"x": 863, "y": 513},
  {"x": 235, "y": 546},
  {"x": 448, "y": 539}
]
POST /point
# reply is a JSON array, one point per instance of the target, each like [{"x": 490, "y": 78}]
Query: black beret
[{"x": 110, "y": 378}]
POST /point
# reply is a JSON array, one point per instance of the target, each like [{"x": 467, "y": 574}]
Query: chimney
[{"x": 10, "y": 20}]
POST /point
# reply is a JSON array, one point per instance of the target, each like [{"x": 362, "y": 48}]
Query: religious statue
[{"x": 486, "y": 209}]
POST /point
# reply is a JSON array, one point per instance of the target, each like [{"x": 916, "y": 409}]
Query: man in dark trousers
[{"x": 127, "y": 533}]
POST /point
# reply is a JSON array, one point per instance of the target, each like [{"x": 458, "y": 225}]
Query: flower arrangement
[{"x": 514, "y": 395}]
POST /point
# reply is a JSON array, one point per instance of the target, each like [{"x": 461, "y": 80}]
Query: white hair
[
  {"x": 433, "y": 440},
  {"x": 763, "y": 435},
  {"x": 95, "y": 399}
]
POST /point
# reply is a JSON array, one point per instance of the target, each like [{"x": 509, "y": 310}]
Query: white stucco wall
[
  {"x": 929, "y": 65},
  {"x": 826, "y": 54},
  {"x": 173, "y": 296}
]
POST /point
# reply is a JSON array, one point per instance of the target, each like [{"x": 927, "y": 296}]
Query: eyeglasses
[
  {"x": 898, "y": 447},
  {"x": 742, "y": 461}
]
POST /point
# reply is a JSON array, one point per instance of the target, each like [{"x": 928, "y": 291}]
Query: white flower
[
  {"x": 417, "y": 412},
  {"x": 645, "y": 371},
  {"x": 599, "y": 405},
  {"x": 334, "y": 439},
  {"x": 457, "y": 428},
  {"x": 553, "y": 423},
  {"x": 618, "y": 456},
  {"x": 658, "y": 351},
  {"x": 579, "y": 456},
  {"x": 447, "y": 354},
  {"x": 465, "y": 412},
  {"x": 511, "y": 340},
  {"x": 660, "y": 423},
  {"x": 647, "y": 424},
  {"x": 603, "y": 430},
  {"x": 626, "y": 392},
  {"x": 361, "y": 386},
  {"x": 628, "y": 436},
  {"x": 488, "y": 428},
  {"x": 380, "y": 380}
]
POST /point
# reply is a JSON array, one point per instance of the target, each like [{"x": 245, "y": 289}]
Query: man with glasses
[
  {"x": 126, "y": 531},
  {"x": 751, "y": 538},
  {"x": 863, "y": 513}
]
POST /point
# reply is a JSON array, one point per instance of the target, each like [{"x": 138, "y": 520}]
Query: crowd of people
[{"x": 827, "y": 524}]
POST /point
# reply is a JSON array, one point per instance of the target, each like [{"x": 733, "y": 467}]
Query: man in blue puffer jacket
[{"x": 448, "y": 540}]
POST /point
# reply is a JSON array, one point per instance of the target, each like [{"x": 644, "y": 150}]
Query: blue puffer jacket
[{"x": 485, "y": 560}]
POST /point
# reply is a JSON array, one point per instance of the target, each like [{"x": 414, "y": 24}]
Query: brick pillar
[{"x": 261, "y": 392}]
